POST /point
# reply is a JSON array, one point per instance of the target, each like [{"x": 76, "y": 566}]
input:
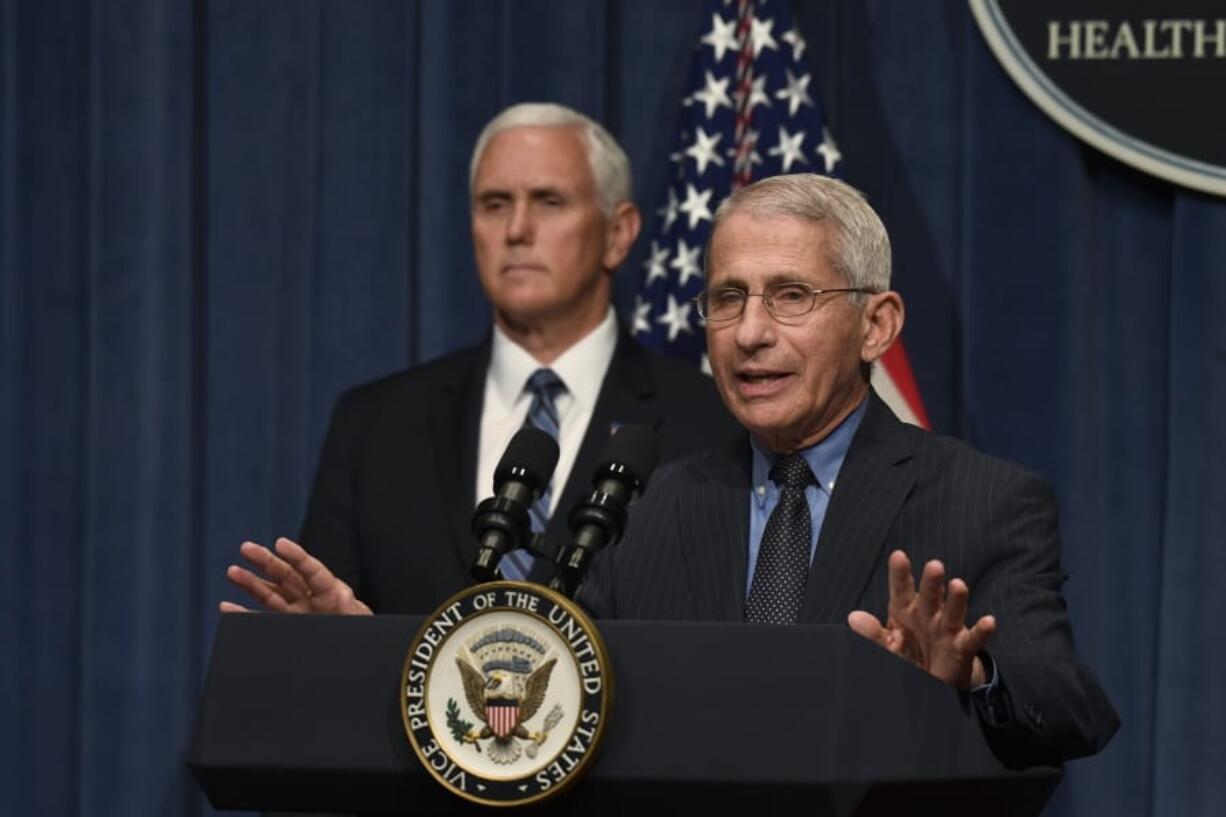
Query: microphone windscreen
[
  {"x": 530, "y": 450},
  {"x": 634, "y": 447}
]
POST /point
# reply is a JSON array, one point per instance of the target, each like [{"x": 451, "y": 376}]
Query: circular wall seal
[
  {"x": 1141, "y": 80},
  {"x": 505, "y": 692}
]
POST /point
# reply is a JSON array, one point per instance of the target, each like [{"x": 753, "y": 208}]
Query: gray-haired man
[
  {"x": 816, "y": 514},
  {"x": 407, "y": 457}
]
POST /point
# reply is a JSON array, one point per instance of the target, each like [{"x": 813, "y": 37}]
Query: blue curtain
[{"x": 215, "y": 215}]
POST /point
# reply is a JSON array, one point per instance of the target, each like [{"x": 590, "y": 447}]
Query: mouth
[
  {"x": 521, "y": 268},
  {"x": 758, "y": 384}
]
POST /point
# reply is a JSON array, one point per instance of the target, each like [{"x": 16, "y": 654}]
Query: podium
[{"x": 299, "y": 713}]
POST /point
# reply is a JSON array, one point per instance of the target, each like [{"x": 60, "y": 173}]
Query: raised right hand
[{"x": 290, "y": 581}]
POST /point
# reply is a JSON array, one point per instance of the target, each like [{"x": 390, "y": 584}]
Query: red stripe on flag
[{"x": 898, "y": 366}]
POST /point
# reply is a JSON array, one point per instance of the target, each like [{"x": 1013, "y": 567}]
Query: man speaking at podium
[
  {"x": 406, "y": 458},
  {"x": 819, "y": 516}
]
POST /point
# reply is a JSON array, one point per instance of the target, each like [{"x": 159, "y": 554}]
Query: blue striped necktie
[{"x": 545, "y": 386}]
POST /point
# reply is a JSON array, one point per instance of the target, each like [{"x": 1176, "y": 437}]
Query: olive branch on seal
[{"x": 459, "y": 727}]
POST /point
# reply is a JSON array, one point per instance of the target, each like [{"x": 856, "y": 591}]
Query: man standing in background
[{"x": 407, "y": 457}]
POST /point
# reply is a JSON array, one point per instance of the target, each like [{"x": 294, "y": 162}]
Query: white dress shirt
[{"x": 582, "y": 369}]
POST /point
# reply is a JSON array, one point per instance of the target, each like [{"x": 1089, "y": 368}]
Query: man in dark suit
[
  {"x": 407, "y": 457},
  {"x": 798, "y": 308}
]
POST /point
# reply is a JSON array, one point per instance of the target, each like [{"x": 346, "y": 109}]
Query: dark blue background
[{"x": 214, "y": 216}]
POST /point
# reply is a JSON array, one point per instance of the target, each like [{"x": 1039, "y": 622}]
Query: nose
[
  {"x": 755, "y": 328},
  {"x": 519, "y": 225}
]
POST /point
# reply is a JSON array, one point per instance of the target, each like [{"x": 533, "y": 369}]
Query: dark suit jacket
[
  {"x": 392, "y": 502},
  {"x": 685, "y": 556}
]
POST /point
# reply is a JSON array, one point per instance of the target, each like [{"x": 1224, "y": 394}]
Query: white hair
[
  {"x": 858, "y": 247},
  {"x": 610, "y": 167}
]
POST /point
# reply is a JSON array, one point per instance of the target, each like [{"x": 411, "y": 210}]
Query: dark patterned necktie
[
  {"x": 782, "y": 569},
  {"x": 545, "y": 386}
]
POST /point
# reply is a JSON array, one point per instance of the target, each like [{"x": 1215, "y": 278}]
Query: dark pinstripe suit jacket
[{"x": 685, "y": 553}]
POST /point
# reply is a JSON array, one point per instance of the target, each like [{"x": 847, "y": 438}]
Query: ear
[
  {"x": 883, "y": 318},
  {"x": 624, "y": 226}
]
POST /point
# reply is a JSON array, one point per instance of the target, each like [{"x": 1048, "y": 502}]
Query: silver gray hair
[
  {"x": 610, "y": 166},
  {"x": 858, "y": 247}
]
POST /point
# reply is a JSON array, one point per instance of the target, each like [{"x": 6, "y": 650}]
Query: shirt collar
[
  {"x": 825, "y": 457},
  {"x": 581, "y": 367}
]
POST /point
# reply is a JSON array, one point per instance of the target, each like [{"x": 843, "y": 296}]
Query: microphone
[
  {"x": 598, "y": 521},
  {"x": 501, "y": 522}
]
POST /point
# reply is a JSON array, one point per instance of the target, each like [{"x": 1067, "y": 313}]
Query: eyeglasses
[{"x": 790, "y": 299}]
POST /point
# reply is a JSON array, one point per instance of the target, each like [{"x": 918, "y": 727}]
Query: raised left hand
[{"x": 928, "y": 626}]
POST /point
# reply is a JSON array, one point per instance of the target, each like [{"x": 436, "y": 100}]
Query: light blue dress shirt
[{"x": 825, "y": 459}]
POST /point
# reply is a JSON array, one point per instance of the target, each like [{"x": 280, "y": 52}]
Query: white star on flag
[
  {"x": 676, "y": 318},
  {"x": 760, "y": 34},
  {"x": 696, "y": 205},
  {"x": 655, "y": 265},
  {"x": 793, "y": 38},
  {"x": 703, "y": 150},
  {"x": 714, "y": 94},
  {"x": 796, "y": 92},
  {"x": 642, "y": 313},
  {"x": 678, "y": 156},
  {"x": 686, "y": 262},
  {"x": 750, "y": 145},
  {"x": 829, "y": 150},
  {"x": 721, "y": 37},
  {"x": 669, "y": 210},
  {"x": 789, "y": 149},
  {"x": 758, "y": 95}
]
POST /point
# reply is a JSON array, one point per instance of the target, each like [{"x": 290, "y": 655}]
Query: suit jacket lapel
[
  {"x": 714, "y": 514},
  {"x": 455, "y": 429},
  {"x": 873, "y": 483}
]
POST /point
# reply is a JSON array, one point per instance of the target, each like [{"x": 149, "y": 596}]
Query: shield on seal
[{"x": 502, "y": 715}]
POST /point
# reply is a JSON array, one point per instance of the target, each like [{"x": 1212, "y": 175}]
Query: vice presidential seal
[{"x": 505, "y": 693}]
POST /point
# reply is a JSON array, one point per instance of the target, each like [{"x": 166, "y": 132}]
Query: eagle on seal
[{"x": 503, "y": 700}]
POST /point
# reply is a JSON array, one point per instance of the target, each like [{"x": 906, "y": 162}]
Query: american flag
[{"x": 751, "y": 111}]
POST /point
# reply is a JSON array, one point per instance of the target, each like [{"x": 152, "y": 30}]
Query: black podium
[{"x": 300, "y": 713}]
